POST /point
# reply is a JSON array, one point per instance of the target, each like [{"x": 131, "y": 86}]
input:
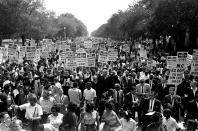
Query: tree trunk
[
  {"x": 187, "y": 37},
  {"x": 23, "y": 39}
]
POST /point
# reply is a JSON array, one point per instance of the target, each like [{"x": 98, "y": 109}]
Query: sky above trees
[{"x": 92, "y": 13}]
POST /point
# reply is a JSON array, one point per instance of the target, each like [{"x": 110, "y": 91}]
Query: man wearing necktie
[
  {"x": 142, "y": 91},
  {"x": 150, "y": 105},
  {"x": 172, "y": 102},
  {"x": 119, "y": 97},
  {"x": 131, "y": 102}
]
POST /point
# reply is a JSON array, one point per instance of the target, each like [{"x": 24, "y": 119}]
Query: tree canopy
[
  {"x": 30, "y": 19},
  {"x": 155, "y": 18}
]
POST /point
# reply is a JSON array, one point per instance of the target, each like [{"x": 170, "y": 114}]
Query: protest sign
[
  {"x": 112, "y": 54},
  {"x": 194, "y": 65},
  {"x": 4, "y": 51},
  {"x": 176, "y": 73},
  {"x": 71, "y": 63},
  {"x": 81, "y": 58},
  {"x": 73, "y": 47},
  {"x": 45, "y": 51},
  {"x": 12, "y": 53},
  {"x": 91, "y": 60},
  {"x": 30, "y": 52},
  {"x": 62, "y": 56},
  {"x": 171, "y": 60},
  {"x": 182, "y": 57},
  {"x": 189, "y": 60},
  {"x": 103, "y": 55},
  {"x": 88, "y": 44},
  {"x": 70, "y": 55},
  {"x": 177, "y": 68}
]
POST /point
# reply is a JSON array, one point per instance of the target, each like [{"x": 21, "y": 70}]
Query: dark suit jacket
[
  {"x": 182, "y": 88},
  {"x": 190, "y": 95},
  {"x": 192, "y": 110},
  {"x": 145, "y": 106},
  {"x": 124, "y": 82},
  {"x": 167, "y": 101},
  {"x": 105, "y": 84}
]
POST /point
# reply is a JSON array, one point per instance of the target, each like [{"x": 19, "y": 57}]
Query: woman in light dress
[
  {"x": 54, "y": 120},
  {"x": 89, "y": 119},
  {"x": 110, "y": 118},
  {"x": 128, "y": 124}
]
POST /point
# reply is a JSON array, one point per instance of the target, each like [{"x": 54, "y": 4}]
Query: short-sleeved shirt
[
  {"x": 74, "y": 95},
  {"x": 47, "y": 104},
  {"x": 89, "y": 94},
  {"x": 171, "y": 124},
  {"x": 56, "y": 121},
  {"x": 31, "y": 111},
  {"x": 128, "y": 125}
]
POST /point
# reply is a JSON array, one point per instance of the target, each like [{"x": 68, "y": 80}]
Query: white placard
[
  {"x": 103, "y": 57},
  {"x": 194, "y": 64},
  {"x": 30, "y": 52},
  {"x": 171, "y": 60},
  {"x": 112, "y": 54},
  {"x": 91, "y": 60},
  {"x": 81, "y": 59},
  {"x": 12, "y": 53},
  {"x": 88, "y": 44}
]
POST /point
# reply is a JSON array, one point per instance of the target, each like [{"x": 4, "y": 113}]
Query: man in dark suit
[
  {"x": 173, "y": 102},
  {"x": 192, "y": 109},
  {"x": 132, "y": 81},
  {"x": 104, "y": 81},
  {"x": 124, "y": 79},
  {"x": 131, "y": 102},
  {"x": 191, "y": 98},
  {"x": 181, "y": 91},
  {"x": 191, "y": 91},
  {"x": 150, "y": 105},
  {"x": 119, "y": 97}
]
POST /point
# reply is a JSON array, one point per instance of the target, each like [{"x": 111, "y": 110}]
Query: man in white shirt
[
  {"x": 33, "y": 112},
  {"x": 75, "y": 94},
  {"x": 89, "y": 93},
  {"x": 170, "y": 122}
]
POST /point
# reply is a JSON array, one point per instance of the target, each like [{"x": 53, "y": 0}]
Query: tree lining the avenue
[
  {"x": 155, "y": 19},
  {"x": 30, "y": 19}
]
